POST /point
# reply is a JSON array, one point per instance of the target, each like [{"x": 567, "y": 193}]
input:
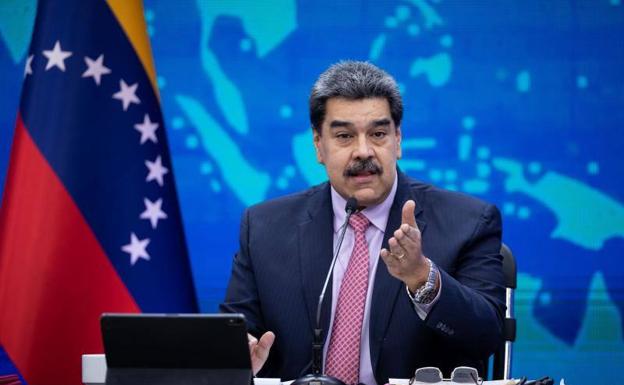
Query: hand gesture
[
  {"x": 405, "y": 260},
  {"x": 259, "y": 350}
]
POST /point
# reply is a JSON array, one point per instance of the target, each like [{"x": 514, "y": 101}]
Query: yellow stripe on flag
[{"x": 129, "y": 13}]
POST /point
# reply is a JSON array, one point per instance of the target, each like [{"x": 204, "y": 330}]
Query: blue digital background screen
[{"x": 518, "y": 102}]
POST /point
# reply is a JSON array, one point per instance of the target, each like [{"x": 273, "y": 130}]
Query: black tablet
[{"x": 187, "y": 344}]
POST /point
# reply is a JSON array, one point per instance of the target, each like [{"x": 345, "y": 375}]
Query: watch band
[{"x": 427, "y": 292}]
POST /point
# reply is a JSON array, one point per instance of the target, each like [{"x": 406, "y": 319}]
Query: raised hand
[{"x": 405, "y": 259}]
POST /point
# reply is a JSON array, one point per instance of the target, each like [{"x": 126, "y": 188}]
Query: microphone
[{"x": 317, "y": 377}]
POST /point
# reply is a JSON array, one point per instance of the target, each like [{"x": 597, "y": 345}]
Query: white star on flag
[
  {"x": 127, "y": 94},
  {"x": 156, "y": 170},
  {"x": 56, "y": 57},
  {"x": 153, "y": 211},
  {"x": 96, "y": 69},
  {"x": 136, "y": 249},
  {"x": 28, "y": 67},
  {"x": 147, "y": 130}
]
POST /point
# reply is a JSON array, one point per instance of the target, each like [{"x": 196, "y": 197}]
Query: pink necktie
[{"x": 343, "y": 354}]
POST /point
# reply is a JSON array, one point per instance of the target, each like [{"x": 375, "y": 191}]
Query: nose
[{"x": 363, "y": 149}]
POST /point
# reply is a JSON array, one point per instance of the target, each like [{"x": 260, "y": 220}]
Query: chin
[{"x": 367, "y": 197}]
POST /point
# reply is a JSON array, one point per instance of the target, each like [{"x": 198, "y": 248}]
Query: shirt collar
[{"x": 377, "y": 215}]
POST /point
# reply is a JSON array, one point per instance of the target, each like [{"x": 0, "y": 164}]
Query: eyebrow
[
  {"x": 381, "y": 122},
  {"x": 344, "y": 123},
  {"x": 339, "y": 123}
]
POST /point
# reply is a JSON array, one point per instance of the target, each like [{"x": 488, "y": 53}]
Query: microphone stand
[{"x": 317, "y": 377}]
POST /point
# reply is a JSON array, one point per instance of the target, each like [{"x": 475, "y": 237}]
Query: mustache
[{"x": 364, "y": 165}]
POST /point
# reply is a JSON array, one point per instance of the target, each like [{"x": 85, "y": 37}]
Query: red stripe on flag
[{"x": 55, "y": 279}]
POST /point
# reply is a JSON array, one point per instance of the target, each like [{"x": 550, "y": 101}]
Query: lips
[{"x": 363, "y": 177}]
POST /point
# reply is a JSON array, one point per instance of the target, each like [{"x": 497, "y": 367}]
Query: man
[{"x": 434, "y": 299}]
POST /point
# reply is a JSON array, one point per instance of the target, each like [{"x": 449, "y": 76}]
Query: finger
[
  {"x": 252, "y": 341},
  {"x": 407, "y": 233},
  {"x": 395, "y": 248},
  {"x": 411, "y": 232},
  {"x": 266, "y": 341},
  {"x": 387, "y": 256},
  {"x": 396, "y": 251},
  {"x": 407, "y": 244},
  {"x": 407, "y": 214},
  {"x": 388, "y": 259},
  {"x": 399, "y": 233},
  {"x": 261, "y": 350}
]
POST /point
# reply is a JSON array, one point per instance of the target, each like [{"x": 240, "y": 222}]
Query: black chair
[{"x": 501, "y": 366}]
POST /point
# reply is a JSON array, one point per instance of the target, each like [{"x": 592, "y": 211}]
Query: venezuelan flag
[{"x": 89, "y": 221}]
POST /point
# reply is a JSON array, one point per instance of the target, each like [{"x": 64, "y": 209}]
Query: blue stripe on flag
[{"x": 93, "y": 145}]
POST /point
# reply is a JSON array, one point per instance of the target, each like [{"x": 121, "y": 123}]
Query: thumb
[
  {"x": 266, "y": 341},
  {"x": 260, "y": 352},
  {"x": 407, "y": 214}
]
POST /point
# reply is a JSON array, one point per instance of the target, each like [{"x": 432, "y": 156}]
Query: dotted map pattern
[{"x": 519, "y": 103}]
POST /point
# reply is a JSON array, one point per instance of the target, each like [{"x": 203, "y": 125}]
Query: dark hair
[{"x": 354, "y": 80}]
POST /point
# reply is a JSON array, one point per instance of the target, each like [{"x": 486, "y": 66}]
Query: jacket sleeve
[
  {"x": 241, "y": 294},
  {"x": 471, "y": 308}
]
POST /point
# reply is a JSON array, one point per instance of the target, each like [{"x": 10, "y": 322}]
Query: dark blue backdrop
[{"x": 519, "y": 102}]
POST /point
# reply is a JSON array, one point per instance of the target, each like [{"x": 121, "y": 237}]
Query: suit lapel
[
  {"x": 387, "y": 288},
  {"x": 315, "y": 237},
  {"x": 315, "y": 252}
]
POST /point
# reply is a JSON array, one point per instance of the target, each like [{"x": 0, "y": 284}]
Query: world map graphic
[{"x": 520, "y": 103}]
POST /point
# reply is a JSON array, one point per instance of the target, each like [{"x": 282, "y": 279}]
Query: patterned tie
[{"x": 343, "y": 354}]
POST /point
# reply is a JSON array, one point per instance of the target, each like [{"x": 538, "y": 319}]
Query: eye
[
  {"x": 379, "y": 134},
  {"x": 343, "y": 136}
]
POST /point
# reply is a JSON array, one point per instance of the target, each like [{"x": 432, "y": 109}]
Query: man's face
[{"x": 359, "y": 146}]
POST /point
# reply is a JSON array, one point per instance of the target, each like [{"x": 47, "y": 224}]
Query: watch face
[
  {"x": 423, "y": 295},
  {"x": 426, "y": 293},
  {"x": 428, "y": 297}
]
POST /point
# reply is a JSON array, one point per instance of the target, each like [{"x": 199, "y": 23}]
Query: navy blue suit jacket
[{"x": 285, "y": 251}]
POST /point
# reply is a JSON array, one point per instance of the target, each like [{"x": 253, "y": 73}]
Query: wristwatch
[{"x": 427, "y": 292}]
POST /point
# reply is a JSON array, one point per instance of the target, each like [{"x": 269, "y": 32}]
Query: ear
[
  {"x": 398, "y": 142},
  {"x": 317, "y": 146}
]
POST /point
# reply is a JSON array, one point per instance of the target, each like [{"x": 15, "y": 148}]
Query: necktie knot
[{"x": 359, "y": 222}]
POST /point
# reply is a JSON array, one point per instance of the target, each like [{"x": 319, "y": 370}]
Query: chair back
[{"x": 501, "y": 368}]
